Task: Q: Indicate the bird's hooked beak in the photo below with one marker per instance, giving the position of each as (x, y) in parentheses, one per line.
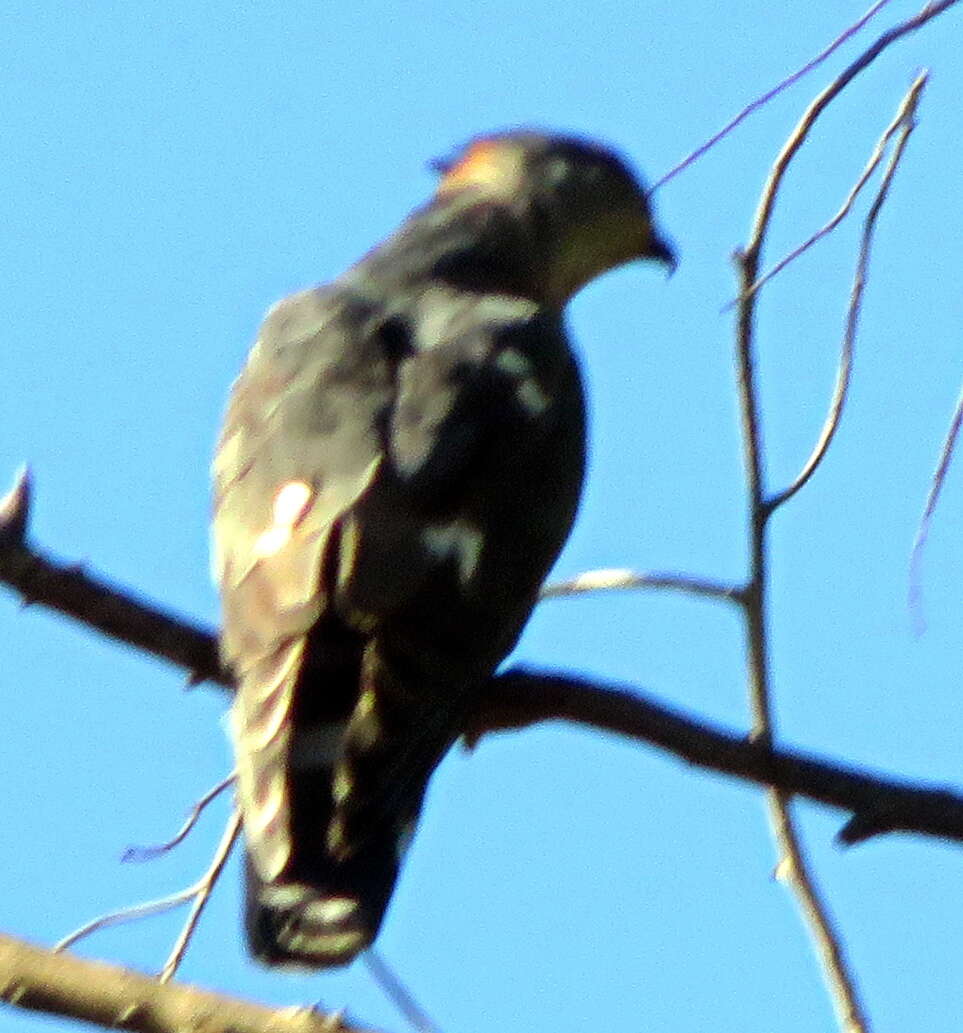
(659, 250)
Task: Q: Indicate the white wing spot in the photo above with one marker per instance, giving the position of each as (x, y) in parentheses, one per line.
(532, 397)
(290, 504)
(513, 362)
(272, 541)
(457, 540)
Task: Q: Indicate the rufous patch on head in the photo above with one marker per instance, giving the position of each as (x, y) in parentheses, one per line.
(490, 165)
(291, 502)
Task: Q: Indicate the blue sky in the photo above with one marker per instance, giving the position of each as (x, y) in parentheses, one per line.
(171, 169)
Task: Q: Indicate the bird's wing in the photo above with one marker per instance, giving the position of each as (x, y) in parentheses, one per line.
(449, 544)
(349, 447)
(298, 446)
(486, 376)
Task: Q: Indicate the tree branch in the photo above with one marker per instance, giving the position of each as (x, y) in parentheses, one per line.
(116, 613)
(518, 698)
(118, 998)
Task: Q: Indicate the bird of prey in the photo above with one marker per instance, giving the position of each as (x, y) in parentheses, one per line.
(399, 466)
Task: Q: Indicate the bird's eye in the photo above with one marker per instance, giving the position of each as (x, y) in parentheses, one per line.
(557, 171)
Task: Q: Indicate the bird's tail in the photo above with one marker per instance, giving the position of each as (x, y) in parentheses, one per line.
(352, 818)
(324, 919)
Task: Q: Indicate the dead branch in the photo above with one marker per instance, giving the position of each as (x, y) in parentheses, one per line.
(118, 998)
(762, 101)
(922, 533)
(518, 698)
(826, 938)
(122, 616)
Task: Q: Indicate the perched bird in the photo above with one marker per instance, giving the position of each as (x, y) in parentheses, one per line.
(400, 463)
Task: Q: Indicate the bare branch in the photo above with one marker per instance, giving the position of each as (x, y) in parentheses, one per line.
(905, 119)
(760, 102)
(516, 699)
(816, 108)
(916, 557)
(618, 579)
(118, 998)
(204, 889)
(98, 604)
(148, 853)
(198, 893)
(826, 938)
(520, 698)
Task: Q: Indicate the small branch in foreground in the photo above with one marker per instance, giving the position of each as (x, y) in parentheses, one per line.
(118, 998)
(396, 992)
(619, 579)
(902, 123)
(197, 894)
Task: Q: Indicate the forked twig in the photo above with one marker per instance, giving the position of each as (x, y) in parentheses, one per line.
(148, 853)
(204, 887)
(905, 123)
(902, 118)
(793, 862)
(760, 102)
(199, 892)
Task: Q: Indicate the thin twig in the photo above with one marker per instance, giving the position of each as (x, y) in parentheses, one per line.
(815, 109)
(127, 914)
(619, 579)
(204, 889)
(396, 992)
(919, 543)
(148, 853)
(905, 118)
(760, 102)
(826, 938)
(903, 115)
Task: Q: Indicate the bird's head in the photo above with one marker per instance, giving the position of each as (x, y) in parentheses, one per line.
(583, 210)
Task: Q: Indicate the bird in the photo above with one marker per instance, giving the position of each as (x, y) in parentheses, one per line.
(400, 464)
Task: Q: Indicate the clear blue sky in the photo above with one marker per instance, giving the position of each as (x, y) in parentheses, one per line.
(171, 169)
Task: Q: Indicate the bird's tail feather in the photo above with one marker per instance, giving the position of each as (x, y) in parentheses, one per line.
(353, 816)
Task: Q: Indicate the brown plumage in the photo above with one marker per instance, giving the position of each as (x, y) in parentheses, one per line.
(400, 464)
